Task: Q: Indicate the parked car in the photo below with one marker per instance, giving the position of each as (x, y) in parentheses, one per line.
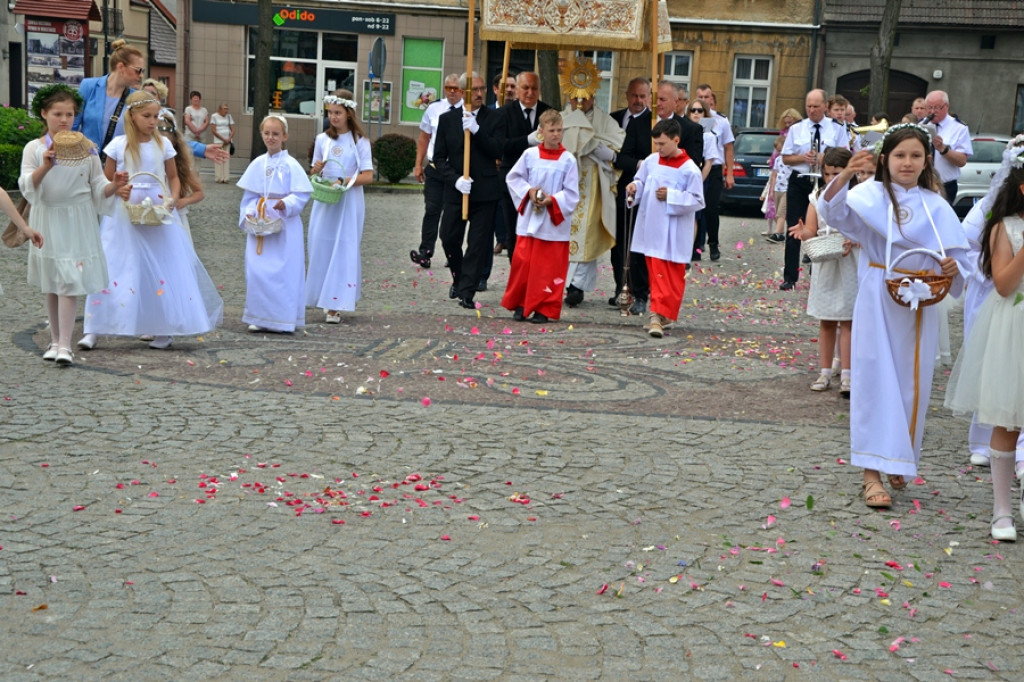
(751, 151)
(976, 176)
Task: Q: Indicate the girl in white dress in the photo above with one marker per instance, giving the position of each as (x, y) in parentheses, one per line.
(157, 286)
(66, 195)
(276, 188)
(895, 213)
(341, 154)
(988, 378)
(833, 286)
(185, 165)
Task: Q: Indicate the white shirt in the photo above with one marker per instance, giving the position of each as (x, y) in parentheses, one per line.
(428, 123)
(628, 117)
(723, 128)
(801, 136)
(958, 137)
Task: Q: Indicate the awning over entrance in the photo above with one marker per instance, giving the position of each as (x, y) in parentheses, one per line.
(62, 9)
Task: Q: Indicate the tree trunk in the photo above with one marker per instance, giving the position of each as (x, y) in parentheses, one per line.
(261, 73)
(881, 58)
(547, 67)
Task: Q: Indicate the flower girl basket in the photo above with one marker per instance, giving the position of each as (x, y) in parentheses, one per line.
(329, 191)
(828, 245)
(146, 212)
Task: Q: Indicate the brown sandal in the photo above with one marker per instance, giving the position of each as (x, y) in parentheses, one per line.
(897, 481)
(875, 495)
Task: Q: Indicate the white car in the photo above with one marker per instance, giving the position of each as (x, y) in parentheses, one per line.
(976, 176)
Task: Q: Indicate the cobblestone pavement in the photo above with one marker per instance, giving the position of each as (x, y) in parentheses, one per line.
(431, 493)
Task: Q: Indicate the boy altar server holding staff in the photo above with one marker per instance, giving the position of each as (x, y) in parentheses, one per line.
(669, 190)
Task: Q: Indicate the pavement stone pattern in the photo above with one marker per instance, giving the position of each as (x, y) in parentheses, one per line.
(432, 493)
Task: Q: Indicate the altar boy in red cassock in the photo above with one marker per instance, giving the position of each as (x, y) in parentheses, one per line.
(669, 191)
(544, 185)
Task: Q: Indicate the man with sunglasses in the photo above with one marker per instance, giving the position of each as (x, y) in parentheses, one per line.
(427, 173)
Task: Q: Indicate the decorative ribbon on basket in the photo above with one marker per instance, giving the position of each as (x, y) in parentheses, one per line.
(828, 245)
(915, 290)
(146, 212)
(259, 225)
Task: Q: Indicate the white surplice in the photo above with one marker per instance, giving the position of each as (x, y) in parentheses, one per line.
(664, 229)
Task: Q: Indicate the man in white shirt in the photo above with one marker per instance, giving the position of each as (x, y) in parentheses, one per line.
(951, 142)
(805, 143)
(716, 181)
(433, 185)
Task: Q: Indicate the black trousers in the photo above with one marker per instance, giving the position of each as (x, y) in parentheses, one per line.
(707, 226)
(798, 198)
(950, 189)
(467, 267)
(639, 285)
(433, 204)
(508, 210)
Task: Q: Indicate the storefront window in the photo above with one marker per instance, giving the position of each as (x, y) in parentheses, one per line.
(304, 64)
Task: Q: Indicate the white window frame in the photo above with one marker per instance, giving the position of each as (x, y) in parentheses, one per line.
(321, 65)
(750, 83)
(672, 62)
(603, 97)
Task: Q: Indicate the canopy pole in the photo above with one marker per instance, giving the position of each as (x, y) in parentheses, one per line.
(654, 59)
(504, 72)
(467, 103)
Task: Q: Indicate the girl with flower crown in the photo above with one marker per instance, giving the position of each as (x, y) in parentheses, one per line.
(341, 155)
(893, 354)
(276, 191)
(988, 379)
(157, 285)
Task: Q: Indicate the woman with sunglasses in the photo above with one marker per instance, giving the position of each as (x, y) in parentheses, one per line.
(105, 96)
(697, 111)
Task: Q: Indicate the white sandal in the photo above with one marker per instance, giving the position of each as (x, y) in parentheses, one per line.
(50, 353)
(821, 383)
(1008, 534)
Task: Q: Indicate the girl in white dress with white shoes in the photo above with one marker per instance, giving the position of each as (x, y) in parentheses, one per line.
(157, 286)
(62, 178)
(341, 155)
(276, 190)
(988, 378)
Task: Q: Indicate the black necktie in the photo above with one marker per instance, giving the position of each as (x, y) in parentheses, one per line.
(528, 111)
(816, 144)
(452, 108)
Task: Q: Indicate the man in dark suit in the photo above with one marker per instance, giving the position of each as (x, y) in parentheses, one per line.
(519, 121)
(635, 119)
(484, 188)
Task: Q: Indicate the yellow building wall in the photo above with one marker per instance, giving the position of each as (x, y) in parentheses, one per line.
(755, 11)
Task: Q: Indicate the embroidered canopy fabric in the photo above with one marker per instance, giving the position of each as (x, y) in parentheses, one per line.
(594, 24)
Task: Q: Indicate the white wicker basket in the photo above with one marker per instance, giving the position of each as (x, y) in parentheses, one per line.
(146, 212)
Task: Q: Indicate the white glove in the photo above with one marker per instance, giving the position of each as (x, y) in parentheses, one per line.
(603, 153)
(534, 139)
(464, 185)
(469, 123)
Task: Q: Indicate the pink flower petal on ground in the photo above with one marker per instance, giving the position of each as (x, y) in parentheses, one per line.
(919, 481)
(154, 494)
(945, 585)
(425, 402)
(77, 508)
(777, 582)
(446, 538)
(515, 391)
(474, 331)
(894, 524)
(839, 654)
(784, 504)
(739, 246)
(770, 520)
(603, 589)
(338, 522)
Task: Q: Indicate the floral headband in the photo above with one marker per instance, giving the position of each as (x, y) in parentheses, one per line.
(143, 102)
(901, 126)
(1014, 151)
(334, 99)
(279, 117)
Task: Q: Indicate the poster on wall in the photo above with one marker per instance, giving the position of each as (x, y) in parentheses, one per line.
(376, 101)
(420, 87)
(55, 52)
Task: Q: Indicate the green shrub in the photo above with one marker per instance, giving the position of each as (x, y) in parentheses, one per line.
(395, 156)
(17, 127)
(10, 166)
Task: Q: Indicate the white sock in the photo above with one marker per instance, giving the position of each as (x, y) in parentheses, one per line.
(845, 374)
(1002, 464)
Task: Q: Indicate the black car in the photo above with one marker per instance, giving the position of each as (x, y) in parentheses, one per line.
(751, 151)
